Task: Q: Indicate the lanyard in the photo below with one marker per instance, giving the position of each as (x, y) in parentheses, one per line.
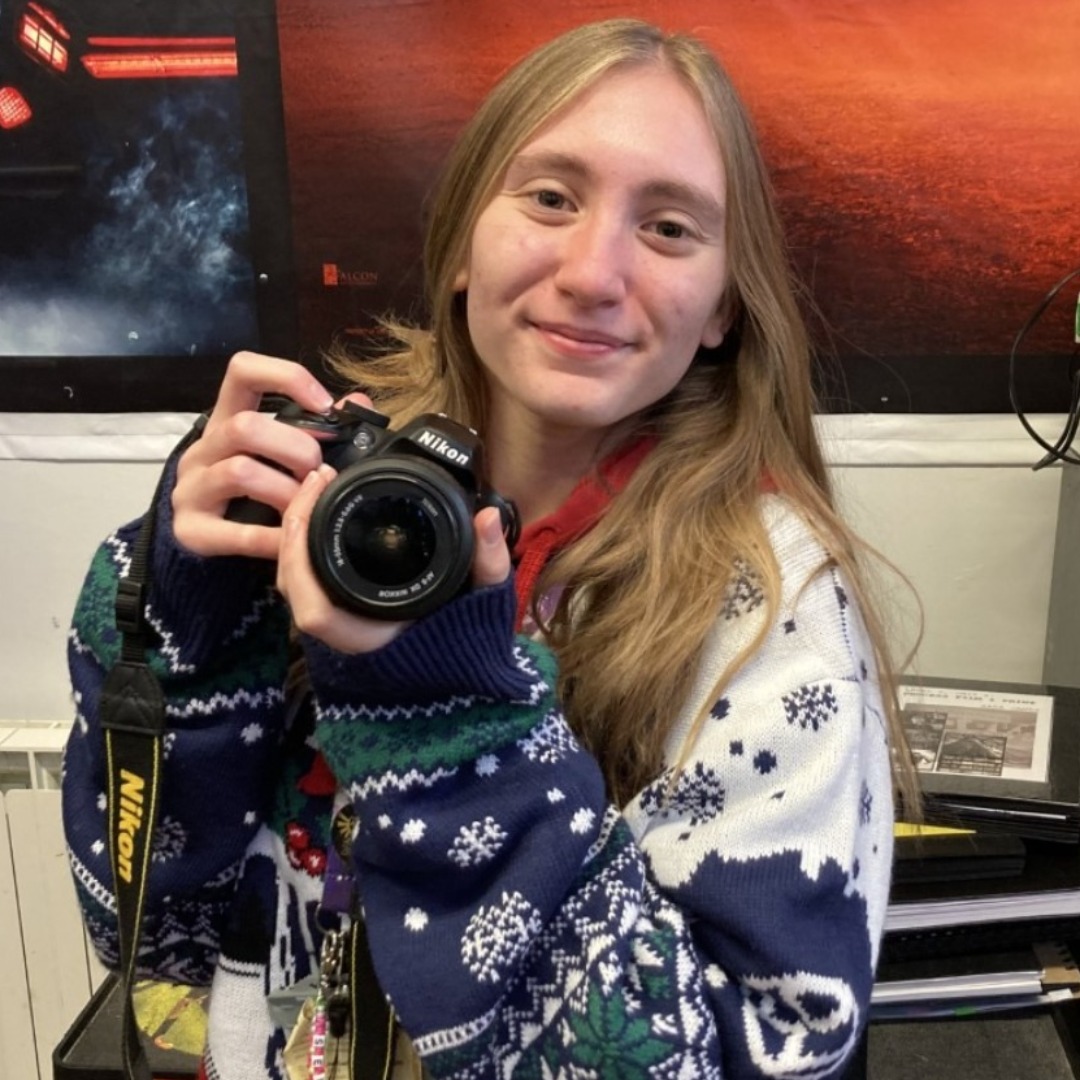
(370, 1023)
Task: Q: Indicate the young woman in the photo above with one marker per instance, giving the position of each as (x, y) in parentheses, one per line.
(624, 807)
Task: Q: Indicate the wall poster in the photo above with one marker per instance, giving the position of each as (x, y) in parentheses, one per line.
(925, 157)
(144, 229)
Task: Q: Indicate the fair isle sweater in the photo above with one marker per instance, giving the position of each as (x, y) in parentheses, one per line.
(520, 925)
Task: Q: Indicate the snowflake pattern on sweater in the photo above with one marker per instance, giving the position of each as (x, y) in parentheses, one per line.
(724, 924)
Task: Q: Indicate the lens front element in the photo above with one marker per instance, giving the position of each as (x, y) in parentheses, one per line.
(392, 537)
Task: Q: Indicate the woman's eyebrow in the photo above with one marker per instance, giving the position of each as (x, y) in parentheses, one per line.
(545, 161)
(703, 204)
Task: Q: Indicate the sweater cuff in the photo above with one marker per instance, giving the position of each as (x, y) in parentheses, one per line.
(465, 648)
(212, 598)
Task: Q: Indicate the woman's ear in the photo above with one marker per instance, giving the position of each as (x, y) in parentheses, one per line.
(461, 279)
(722, 337)
(712, 336)
(717, 326)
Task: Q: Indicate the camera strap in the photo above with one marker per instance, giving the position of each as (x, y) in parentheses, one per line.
(373, 1024)
(132, 710)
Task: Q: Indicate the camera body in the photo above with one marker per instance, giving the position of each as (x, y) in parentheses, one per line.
(392, 535)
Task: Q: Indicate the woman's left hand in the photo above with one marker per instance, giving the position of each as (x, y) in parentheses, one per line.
(313, 611)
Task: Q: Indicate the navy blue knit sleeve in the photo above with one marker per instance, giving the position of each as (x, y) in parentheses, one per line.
(726, 923)
(220, 656)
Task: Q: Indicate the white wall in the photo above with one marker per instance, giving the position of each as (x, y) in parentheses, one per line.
(65, 483)
(951, 500)
(978, 543)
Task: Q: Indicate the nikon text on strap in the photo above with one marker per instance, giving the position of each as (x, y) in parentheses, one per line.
(132, 710)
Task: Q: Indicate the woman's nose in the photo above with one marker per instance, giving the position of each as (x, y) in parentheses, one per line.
(594, 262)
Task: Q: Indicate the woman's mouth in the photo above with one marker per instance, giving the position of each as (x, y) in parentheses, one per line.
(579, 340)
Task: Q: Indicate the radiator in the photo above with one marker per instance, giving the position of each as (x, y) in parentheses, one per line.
(47, 970)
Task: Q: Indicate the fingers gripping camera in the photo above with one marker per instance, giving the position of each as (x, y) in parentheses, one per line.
(392, 535)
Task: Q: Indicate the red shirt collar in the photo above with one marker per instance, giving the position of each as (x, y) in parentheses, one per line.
(578, 514)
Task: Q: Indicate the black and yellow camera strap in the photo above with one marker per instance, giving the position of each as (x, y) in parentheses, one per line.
(132, 710)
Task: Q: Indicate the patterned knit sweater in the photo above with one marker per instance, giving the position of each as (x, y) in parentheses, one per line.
(519, 924)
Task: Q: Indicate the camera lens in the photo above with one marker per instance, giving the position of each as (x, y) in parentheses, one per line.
(392, 538)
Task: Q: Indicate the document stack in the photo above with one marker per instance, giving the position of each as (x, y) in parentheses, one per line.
(997, 758)
(984, 913)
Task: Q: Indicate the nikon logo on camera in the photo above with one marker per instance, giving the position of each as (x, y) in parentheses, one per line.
(438, 444)
(130, 821)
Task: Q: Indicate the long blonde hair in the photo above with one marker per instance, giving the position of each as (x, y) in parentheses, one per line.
(654, 568)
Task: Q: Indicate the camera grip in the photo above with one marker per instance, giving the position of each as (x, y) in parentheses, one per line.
(249, 512)
(334, 432)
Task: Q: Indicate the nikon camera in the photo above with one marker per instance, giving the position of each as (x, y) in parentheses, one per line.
(392, 535)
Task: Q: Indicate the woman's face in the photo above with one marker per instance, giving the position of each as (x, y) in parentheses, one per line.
(597, 270)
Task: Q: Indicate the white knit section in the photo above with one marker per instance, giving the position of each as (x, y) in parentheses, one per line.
(376, 785)
(337, 714)
(239, 1025)
(451, 1038)
(76, 642)
(223, 704)
(121, 553)
(91, 883)
(167, 648)
(238, 1022)
(808, 801)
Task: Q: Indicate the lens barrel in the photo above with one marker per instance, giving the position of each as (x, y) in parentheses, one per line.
(392, 537)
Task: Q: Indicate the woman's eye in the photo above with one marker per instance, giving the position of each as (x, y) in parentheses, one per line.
(550, 200)
(670, 230)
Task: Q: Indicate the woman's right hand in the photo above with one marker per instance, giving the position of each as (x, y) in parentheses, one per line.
(232, 458)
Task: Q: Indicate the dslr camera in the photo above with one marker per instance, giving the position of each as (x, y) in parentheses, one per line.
(392, 535)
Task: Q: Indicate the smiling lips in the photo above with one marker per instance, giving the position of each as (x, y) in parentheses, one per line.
(580, 341)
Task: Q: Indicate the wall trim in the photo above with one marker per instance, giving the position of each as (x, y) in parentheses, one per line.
(973, 440)
(858, 439)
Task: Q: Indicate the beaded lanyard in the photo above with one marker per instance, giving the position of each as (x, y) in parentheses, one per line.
(349, 1002)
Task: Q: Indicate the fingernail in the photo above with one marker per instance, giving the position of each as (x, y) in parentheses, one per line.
(490, 529)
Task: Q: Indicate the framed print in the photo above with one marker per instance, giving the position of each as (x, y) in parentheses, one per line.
(144, 225)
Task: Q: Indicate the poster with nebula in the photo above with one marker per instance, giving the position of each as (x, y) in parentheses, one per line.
(925, 156)
(131, 261)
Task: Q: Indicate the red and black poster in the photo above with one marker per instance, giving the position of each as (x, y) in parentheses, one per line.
(925, 156)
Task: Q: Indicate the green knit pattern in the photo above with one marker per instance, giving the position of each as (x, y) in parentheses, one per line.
(260, 641)
(362, 742)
